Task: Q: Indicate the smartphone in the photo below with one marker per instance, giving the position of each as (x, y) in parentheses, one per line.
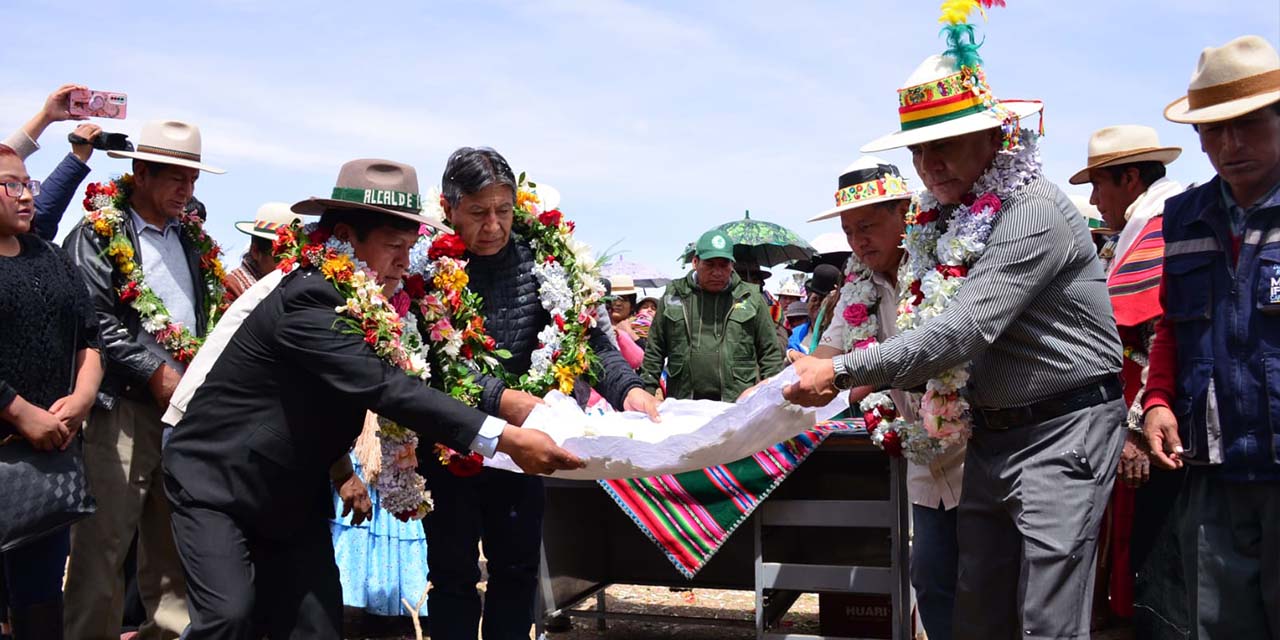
(98, 104)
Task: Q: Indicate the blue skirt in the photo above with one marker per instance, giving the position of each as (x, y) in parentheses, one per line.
(381, 560)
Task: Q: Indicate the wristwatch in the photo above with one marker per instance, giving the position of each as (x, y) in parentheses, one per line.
(843, 379)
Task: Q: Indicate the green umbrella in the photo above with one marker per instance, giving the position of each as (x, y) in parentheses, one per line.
(759, 242)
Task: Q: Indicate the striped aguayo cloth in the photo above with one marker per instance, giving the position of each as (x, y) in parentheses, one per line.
(1134, 283)
(690, 515)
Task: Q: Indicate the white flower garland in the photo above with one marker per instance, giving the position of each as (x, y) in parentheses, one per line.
(857, 305)
(938, 265)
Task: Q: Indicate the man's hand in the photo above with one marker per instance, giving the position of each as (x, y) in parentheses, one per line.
(515, 406)
(355, 496)
(1135, 465)
(535, 452)
(88, 131)
(162, 384)
(42, 429)
(816, 387)
(640, 400)
(1161, 429)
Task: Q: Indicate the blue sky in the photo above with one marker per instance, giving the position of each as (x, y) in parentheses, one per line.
(655, 120)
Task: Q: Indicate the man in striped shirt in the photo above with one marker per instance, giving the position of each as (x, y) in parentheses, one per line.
(1034, 321)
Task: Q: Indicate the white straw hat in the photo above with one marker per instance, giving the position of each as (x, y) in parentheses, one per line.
(1237, 78)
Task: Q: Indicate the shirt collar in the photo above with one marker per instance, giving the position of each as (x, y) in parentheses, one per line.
(1270, 199)
(140, 224)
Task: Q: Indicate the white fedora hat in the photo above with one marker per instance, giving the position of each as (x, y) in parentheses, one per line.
(377, 186)
(938, 101)
(867, 181)
(168, 142)
(1239, 77)
(270, 217)
(1124, 144)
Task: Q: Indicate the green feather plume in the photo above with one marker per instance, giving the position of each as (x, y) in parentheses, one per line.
(961, 45)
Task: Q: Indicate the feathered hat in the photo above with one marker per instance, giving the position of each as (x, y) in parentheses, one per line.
(948, 94)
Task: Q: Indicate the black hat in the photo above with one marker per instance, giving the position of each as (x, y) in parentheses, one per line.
(823, 281)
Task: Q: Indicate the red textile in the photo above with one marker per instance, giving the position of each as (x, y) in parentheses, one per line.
(1134, 282)
(1162, 370)
(1120, 582)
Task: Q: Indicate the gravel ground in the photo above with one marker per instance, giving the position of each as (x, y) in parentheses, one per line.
(708, 603)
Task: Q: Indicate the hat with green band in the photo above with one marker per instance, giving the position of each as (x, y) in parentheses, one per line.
(948, 94)
(381, 186)
(271, 217)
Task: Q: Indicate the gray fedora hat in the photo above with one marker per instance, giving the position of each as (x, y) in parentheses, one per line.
(371, 184)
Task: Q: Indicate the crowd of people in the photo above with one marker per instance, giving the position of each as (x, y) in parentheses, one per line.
(233, 426)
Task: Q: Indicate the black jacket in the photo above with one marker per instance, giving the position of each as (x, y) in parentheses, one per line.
(286, 398)
(514, 315)
(129, 364)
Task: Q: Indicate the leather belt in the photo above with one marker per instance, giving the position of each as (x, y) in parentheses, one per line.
(1094, 393)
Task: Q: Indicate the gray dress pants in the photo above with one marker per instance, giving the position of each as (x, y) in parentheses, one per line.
(1028, 524)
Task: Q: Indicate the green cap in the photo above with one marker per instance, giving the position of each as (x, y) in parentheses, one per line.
(714, 244)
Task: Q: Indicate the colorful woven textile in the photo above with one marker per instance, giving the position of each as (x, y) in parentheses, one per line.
(690, 515)
(1134, 284)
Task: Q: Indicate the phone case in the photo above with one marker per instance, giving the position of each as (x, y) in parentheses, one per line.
(98, 104)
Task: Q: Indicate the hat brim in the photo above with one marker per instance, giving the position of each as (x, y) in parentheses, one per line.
(1163, 155)
(831, 213)
(1180, 111)
(160, 159)
(960, 126)
(317, 206)
(247, 229)
(712, 255)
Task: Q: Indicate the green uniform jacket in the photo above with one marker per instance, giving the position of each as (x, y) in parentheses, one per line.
(714, 345)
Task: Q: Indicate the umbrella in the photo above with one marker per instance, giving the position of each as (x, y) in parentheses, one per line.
(763, 243)
(833, 248)
(644, 275)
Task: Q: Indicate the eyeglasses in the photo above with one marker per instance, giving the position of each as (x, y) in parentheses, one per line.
(15, 189)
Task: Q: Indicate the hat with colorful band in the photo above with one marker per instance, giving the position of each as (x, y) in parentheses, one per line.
(270, 217)
(948, 95)
(381, 186)
(867, 181)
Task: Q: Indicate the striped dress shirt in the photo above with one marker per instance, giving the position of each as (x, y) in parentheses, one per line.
(1034, 316)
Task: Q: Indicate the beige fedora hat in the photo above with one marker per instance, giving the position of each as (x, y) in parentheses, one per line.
(937, 102)
(1239, 77)
(168, 142)
(270, 217)
(867, 181)
(1124, 144)
(370, 184)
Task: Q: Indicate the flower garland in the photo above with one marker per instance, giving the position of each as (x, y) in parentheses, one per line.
(401, 491)
(106, 204)
(938, 265)
(451, 315)
(857, 306)
(392, 335)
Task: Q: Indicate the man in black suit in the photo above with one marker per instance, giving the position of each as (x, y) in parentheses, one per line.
(247, 467)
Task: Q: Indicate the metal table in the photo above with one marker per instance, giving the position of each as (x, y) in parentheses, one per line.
(848, 495)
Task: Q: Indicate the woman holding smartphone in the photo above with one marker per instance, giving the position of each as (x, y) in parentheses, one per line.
(49, 375)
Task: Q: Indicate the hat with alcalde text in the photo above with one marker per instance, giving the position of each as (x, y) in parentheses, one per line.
(382, 186)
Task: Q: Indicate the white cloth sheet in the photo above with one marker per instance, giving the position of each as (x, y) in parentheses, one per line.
(693, 434)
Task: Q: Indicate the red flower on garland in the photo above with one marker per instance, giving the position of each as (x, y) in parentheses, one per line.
(559, 322)
(465, 466)
(447, 244)
(871, 420)
(320, 235)
(892, 444)
(925, 217)
(968, 199)
(917, 292)
(129, 292)
(953, 270)
(551, 218)
(416, 286)
(371, 337)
